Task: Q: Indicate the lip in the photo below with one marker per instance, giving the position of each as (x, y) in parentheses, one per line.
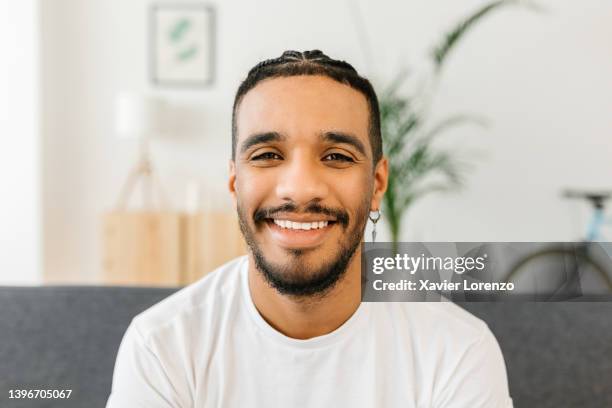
(290, 238)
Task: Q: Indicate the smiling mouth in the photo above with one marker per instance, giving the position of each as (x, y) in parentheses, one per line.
(297, 234)
(300, 226)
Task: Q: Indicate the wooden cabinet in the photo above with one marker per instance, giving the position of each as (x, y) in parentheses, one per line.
(153, 248)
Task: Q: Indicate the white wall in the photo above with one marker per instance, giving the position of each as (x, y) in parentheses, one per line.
(541, 79)
(20, 206)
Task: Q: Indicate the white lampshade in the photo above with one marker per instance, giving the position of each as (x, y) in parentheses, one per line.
(138, 115)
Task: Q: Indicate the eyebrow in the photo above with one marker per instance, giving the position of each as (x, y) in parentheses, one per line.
(260, 138)
(345, 138)
(333, 137)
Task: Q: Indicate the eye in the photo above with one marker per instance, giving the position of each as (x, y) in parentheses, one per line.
(267, 156)
(338, 157)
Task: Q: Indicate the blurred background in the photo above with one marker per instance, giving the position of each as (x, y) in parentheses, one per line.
(84, 84)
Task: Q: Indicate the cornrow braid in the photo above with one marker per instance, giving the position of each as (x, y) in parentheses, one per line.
(262, 64)
(306, 56)
(314, 62)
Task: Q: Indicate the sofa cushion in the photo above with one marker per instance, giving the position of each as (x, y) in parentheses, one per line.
(557, 354)
(65, 338)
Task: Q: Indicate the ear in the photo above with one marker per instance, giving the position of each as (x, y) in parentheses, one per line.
(381, 177)
(232, 180)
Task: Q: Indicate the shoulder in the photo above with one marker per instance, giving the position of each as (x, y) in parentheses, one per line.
(195, 303)
(470, 368)
(439, 319)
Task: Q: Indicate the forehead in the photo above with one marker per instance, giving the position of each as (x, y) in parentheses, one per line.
(303, 106)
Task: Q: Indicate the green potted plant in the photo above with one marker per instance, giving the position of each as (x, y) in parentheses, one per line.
(417, 166)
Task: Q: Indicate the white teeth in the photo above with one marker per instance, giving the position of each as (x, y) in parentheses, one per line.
(300, 225)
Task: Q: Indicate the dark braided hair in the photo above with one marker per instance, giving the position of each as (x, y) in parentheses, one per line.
(295, 63)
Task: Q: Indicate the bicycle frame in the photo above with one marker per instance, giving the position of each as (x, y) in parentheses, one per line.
(598, 220)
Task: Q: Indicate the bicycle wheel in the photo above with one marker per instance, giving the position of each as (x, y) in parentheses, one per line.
(559, 273)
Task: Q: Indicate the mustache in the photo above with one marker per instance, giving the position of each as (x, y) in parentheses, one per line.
(340, 215)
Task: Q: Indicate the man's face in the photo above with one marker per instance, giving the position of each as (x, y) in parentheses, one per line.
(303, 180)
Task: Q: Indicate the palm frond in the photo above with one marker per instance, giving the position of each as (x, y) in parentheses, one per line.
(441, 52)
(439, 170)
(425, 190)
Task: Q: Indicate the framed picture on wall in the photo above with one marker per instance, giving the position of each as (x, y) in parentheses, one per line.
(182, 44)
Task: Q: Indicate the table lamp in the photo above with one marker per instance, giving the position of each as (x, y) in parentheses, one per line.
(139, 116)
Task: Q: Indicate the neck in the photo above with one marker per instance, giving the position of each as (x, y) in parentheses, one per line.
(306, 317)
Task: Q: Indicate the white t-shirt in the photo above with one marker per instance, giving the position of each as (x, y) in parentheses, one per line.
(207, 346)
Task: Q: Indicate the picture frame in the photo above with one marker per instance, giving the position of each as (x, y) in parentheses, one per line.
(182, 44)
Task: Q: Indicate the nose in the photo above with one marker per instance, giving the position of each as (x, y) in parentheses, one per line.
(302, 181)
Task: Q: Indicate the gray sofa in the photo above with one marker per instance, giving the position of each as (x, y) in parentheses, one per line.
(557, 354)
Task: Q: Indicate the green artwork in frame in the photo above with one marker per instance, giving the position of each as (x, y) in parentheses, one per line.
(182, 44)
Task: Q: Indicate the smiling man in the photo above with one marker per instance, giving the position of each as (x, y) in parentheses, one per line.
(284, 325)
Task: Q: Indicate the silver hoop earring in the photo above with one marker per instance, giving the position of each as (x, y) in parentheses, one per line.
(374, 217)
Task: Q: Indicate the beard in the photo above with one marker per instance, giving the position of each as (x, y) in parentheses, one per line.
(296, 277)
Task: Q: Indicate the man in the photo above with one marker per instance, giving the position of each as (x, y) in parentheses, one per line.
(284, 325)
